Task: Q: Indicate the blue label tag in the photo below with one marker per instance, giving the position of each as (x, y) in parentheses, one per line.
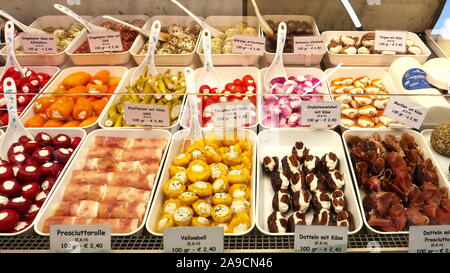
(415, 78)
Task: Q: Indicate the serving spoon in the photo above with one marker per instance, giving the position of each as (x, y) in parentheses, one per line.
(90, 27)
(264, 25)
(276, 68)
(11, 60)
(209, 74)
(195, 130)
(22, 26)
(163, 37)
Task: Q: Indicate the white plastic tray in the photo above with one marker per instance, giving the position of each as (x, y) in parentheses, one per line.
(108, 58)
(51, 70)
(118, 71)
(372, 73)
(432, 42)
(291, 58)
(442, 160)
(166, 59)
(421, 142)
(72, 132)
(223, 23)
(104, 116)
(45, 59)
(175, 148)
(78, 163)
(279, 142)
(370, 59)
(226, 75)
(291, 71)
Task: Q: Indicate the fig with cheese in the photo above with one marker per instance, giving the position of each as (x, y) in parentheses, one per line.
(29, 173)
(8, 219)
(10, 188)
(61, 141)
(30, 190)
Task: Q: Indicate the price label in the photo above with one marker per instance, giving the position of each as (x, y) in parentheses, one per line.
(231, 113)
(391, 40)
(193, 240)
(320, 239)
(80, 239)
(105, 41)
(146, 114)
(429, 239)
(38, 43)
(321, 113)
(249, 45)
(309, 45)
(405, 111)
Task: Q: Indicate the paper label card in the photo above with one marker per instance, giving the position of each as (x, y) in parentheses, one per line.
(147, 114)
(320, 113)
(104, 41)
(309, 45)
(231, 113)
(80, 239)
(405, 111)
(39, 43)
(193, 239)
(390, 40)
(249, 45)
(429, 239)
(320, 239)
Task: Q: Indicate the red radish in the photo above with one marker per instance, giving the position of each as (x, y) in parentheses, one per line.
(23, 140)
(17, 158)
(40, 198)
(30, 190)
(61, 141)
(8, 219)
(31, 146)
(6, 172)
(21, 226)
(62, 155)
(10, 188)
(19, 204)
(48, 184)
(43, 155)
(29, 173)
(51, 169)
(44, 138)
(75, 142)
(32, 212)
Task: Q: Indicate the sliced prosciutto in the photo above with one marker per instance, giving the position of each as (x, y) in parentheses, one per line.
(129, 143)
(76, 192)
(119, 154)
(108, 165)
(123, 179)
(117, 225)
(94, 209)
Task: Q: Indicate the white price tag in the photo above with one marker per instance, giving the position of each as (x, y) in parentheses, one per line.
(390, 40)
(405, 111)
(80, 239)
(231, 113)
(193, 239)
(38, 43)
(146, 114)
(320, 113)
(429, 239)
(105, 41)
(320, 239)
(309, 45)
(249, 45)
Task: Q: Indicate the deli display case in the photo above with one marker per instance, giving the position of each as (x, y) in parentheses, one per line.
(253, 118)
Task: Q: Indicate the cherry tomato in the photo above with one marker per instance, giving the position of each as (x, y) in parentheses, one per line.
(237, 82)
(228, 86)
(248, 80)
(204, 89)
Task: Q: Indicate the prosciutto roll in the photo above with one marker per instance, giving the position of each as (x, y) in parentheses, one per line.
(94, 209)
(119, 154)
(130, 143)
(76, 192)
(107, 165)
(122, 179)
(117, 225)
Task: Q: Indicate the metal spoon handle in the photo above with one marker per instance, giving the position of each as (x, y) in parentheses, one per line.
(71, 13)
(281, 40)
